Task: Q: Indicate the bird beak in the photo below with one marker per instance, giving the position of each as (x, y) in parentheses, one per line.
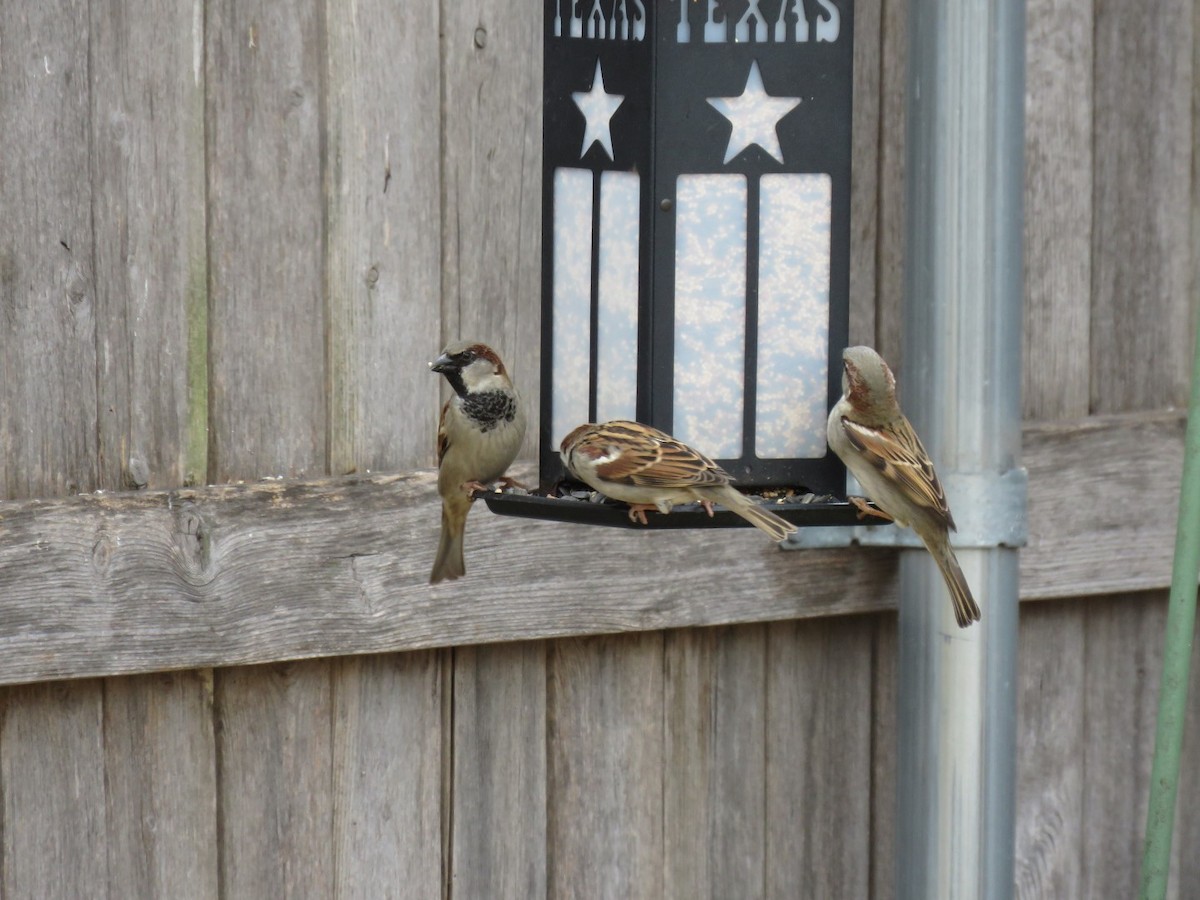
(442, 364)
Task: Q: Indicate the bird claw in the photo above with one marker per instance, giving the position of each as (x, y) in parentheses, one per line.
(470, 487)
(864, 510)
(506, 482)
(637, 512)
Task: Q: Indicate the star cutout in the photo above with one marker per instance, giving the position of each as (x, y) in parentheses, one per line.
(597, 107)
(754, 116)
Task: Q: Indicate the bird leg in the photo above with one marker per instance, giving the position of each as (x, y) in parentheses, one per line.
(864, 510)
(707, 504)
(637, 512)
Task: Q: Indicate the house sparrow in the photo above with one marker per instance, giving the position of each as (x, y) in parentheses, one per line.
(649, 469)
(878, 445)
(479, 434)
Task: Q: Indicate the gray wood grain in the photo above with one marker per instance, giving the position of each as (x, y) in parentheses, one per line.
(1056, 366)
(1051, 752)
(267, 393)
(53, 841)
(384, 233)
(243, 573)
(1090, 481)
(864, 181)
(160, 770)
(110, 584)
(1123, 665)
(492, 171)
(883, 759)
(818, 759)
(265, 240)
(274, 774)
(1142, 322)
(688, 809)
(604, 828)
(715, 778)
(893, 125)
(52, 778)
(151, 267)
(499, 773)
(47, 288)
(148, 168)
(388, 743)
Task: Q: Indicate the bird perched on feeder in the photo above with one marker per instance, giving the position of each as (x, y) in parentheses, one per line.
(480, 432)
(649, 469)
(878, 445)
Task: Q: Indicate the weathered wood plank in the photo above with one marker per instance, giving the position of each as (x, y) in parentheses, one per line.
(47, 289)
(492, 171)
(147, 107)
(1141, 325)
(268, 410)
(275, 806)
(715, 778)
(388, 739)
(1103, 495)
(384, 233)
(160, 768)
(1123, 665)
(1056, 366)
(279, 569)
(1051, 752)
(54, 840)
(381, 97)
(151, 266)
(688, 809)
(499, 774)
(818, 759)
(883, 759)
(239, 573)
(864, 184)
(266, 241)
(893, 126)
(604, 723)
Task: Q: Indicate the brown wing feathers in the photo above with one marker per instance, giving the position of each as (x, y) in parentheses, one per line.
(898, 454)
(649, 458)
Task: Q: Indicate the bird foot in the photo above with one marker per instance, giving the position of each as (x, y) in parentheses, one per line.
(864, 510)
(470, 487)
(708, 507)
(637, 512)
(506, 482)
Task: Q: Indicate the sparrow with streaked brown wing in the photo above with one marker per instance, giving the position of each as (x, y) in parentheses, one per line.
(649, 469)
(479, 434)
(878, 445)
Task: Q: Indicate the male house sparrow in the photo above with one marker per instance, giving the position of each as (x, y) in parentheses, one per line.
(479, 434)
(649, 469)
(878, 445)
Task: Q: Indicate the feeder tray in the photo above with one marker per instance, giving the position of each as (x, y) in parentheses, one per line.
(573, 502)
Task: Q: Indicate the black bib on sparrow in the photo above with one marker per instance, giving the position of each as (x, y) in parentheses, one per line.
(489, 408)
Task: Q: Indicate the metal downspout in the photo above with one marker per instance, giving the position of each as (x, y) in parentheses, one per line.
(961, 378)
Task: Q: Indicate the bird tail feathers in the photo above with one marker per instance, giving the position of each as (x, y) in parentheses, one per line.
(765, 520)
(966, 610)
(449, 563)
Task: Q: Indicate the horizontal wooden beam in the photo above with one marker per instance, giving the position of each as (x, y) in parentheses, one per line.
(105, 584)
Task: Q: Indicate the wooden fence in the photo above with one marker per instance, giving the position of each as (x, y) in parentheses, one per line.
(232, 233)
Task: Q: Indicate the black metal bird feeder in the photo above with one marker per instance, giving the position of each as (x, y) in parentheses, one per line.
(696, 239)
